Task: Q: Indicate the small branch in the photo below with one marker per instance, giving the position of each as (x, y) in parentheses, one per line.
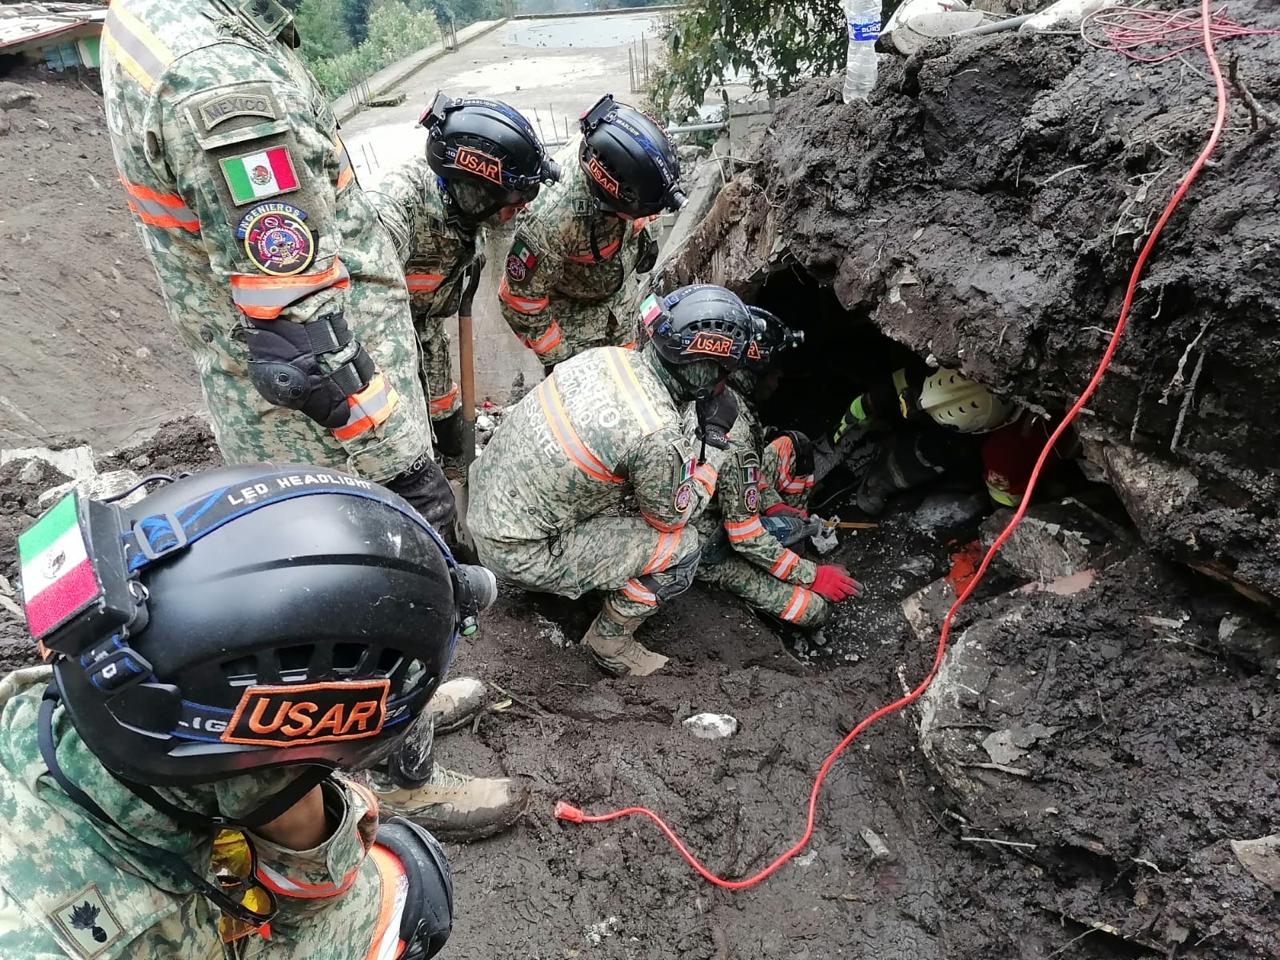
(1256, 110)
(520, 700)
(1061, 173)
(1000, 767)
(1016, 844)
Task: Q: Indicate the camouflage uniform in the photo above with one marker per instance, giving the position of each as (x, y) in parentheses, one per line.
(436, 255)
(248, 207)
(71, 887)
(556, 295)
(551, 496)
(744, 555)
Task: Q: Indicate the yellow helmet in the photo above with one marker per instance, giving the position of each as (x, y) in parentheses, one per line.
(964, 405)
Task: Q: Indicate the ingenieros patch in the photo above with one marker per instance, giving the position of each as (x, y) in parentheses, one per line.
(301, 714)
(277, 239)
(683, 498)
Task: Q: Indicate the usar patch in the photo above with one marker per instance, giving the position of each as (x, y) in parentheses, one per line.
(256, 176)
(277, 239)
(522, 261)
(305, 713)
(86, 923)
(481, 164)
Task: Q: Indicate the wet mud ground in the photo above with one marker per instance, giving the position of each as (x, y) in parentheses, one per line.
(1184, 759)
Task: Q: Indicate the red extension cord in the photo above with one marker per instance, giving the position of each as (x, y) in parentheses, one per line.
(570, 813)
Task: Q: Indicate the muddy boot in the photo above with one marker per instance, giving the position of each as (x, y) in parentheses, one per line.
(613, 646)
(455, 702)
(449, 434)
(455, 806)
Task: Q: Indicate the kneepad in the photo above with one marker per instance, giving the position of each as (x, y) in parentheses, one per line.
(670, 583)
(427, 919)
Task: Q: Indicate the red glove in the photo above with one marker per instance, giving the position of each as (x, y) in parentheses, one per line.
(834, 583)
(782, 508)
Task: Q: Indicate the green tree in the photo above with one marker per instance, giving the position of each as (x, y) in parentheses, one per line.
(356, 16)
(322, 28)
(771, 44)
(463, 12)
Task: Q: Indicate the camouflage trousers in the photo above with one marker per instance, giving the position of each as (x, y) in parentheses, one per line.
(581, 326)
(758, 587)
(640, 567)
(444, 397)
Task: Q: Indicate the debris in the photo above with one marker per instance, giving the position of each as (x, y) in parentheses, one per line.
(42, 124)
(32, 472)
(551, 632)
(1010, 745)
(6, 588)
(825, 541)
(1055, 540)
(109, 484)
(879, 849)
(74, 462)
(598, 932)
(711, 726)
(941, 511)
(13, 608)
(1261, 858)
(1250, 641)
(16, 97)
(1018, 844)
(5, 124)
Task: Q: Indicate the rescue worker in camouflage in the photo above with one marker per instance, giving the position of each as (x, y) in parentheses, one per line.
(269, 255)
(277, 272)
(759, 512)
(591, 481)
(569, 280)
(162, 794)
(482, 164)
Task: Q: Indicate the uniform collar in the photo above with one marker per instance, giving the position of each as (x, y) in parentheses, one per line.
(269, 17)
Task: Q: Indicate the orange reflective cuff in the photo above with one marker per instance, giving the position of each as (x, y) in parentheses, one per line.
(562, 429)
(742, 530)
(618, 362)
(707, 475)
(527, 306)
(545, 343)
(663, 552)
(423, 282)
(370, 408)
(636, 591)
(166, 210)
(785, 565)
(796, 485)
(661, 525)
(444, 403)
(391, 902)
(284, 886)
(345, 171)
(141, 54)
(797, 605)
(264, 297)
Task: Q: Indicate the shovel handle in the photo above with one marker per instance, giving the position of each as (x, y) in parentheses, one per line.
(466, 360)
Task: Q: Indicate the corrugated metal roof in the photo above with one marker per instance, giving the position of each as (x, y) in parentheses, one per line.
(22, 23)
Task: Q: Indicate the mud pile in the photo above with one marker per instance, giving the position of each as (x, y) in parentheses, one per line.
(984, 209)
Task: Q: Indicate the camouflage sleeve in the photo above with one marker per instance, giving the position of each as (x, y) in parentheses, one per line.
(307, 882)
(264, 171)
(671, 487)
(399, 200)
(738, 497)
(524, 291)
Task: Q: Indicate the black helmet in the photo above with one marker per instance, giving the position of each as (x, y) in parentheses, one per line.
(772, 338)
(702, 322)
(487, 155)
(629, 161)
(252, 617)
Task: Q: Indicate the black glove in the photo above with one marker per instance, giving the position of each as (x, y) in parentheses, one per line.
(716, 417)
(647, 251)
(425, 487)
(284, 368)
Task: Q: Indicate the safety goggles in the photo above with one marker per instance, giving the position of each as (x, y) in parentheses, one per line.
(249, 906)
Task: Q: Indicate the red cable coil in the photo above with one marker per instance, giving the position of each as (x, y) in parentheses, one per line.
(567, 812)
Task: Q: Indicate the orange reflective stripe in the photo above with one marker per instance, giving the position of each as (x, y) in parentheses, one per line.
(141, 54)
(167, 210)
(166, 221)
(742, 530)
(635, 590)
(797, 605)
(278, 883)
(785, 564)
(443, 403)
(423, 282)
(394, 894)
(572, 445)
(707, 475)
(152, 196)
(525, 305)
(663, 552)
(370, 408)
(545, 343)
(264, 297)
(345, 172)
(799, 485)
(662, 525)
(617, 360)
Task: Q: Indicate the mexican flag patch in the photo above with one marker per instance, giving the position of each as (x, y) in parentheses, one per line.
(650, 310)
(58, 580)
(521, 262)
(256, 175)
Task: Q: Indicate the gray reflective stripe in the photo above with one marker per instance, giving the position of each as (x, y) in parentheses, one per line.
(147, 207)
(370, 406)
(257, 294)
(133, 45)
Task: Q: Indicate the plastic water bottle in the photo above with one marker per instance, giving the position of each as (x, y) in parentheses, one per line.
(863, 20)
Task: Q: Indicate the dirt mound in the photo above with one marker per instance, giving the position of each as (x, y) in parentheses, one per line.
(984, 209)
(89, 351)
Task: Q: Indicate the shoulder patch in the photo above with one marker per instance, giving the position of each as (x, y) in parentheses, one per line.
(87, 923)
(227, 106)
(277, 239)
(257, 176)
(582, 207)
(522, 261)
(683, 497)
(686, 458)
